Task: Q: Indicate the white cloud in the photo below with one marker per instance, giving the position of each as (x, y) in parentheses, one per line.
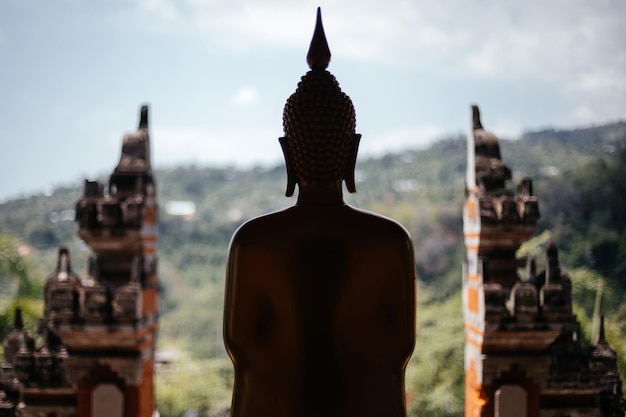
(163, 10)
(174, 145)
(560, 41)
(400, 138)
(505, 128)
(245, 96)
(583, 114)
(601, 82)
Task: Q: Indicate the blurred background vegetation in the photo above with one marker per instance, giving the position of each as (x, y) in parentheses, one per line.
(579, 177)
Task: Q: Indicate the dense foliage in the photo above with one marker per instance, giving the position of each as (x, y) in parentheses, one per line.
(579, 176)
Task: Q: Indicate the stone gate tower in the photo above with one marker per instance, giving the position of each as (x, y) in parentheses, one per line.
(99, 333)
(111, 351)
(495, 224)
(523, 355)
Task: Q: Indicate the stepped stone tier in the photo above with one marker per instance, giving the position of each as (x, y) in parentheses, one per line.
(319, 311)
(99, 333)
(523, 355)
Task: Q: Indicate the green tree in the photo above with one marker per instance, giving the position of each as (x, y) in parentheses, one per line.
(17, 286)
(204, 386)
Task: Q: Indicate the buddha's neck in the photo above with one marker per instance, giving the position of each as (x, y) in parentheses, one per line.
(320, 194)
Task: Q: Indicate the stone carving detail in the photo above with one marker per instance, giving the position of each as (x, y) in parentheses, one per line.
(556, 293)
(128, 369)
(97, 304)
(87, 206)
(495, 303)
(491, 172)
(62, 291)
(524, 304)
(16, 339)
(127, 303)
(42, 367)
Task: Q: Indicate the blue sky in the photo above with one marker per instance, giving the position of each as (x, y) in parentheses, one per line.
(74, 73)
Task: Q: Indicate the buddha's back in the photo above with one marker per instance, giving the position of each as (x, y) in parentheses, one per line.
(324, 316)
(319, 312)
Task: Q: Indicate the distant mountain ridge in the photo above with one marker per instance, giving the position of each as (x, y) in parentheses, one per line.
(610, 131)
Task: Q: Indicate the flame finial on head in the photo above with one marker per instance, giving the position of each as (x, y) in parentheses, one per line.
(318, 56)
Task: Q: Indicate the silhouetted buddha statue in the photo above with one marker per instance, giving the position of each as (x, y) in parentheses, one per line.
(320, 298)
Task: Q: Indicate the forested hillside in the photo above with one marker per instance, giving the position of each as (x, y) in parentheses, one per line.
(579, 177)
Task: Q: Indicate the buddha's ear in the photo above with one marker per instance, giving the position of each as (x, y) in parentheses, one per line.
(291, 177)
(351, 164)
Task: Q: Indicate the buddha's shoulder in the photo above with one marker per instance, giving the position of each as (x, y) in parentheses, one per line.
(343, 220)
(376, 219)
(267, 224)
(377, 224)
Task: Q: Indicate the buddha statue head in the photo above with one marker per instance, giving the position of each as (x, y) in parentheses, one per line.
(320, 144)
